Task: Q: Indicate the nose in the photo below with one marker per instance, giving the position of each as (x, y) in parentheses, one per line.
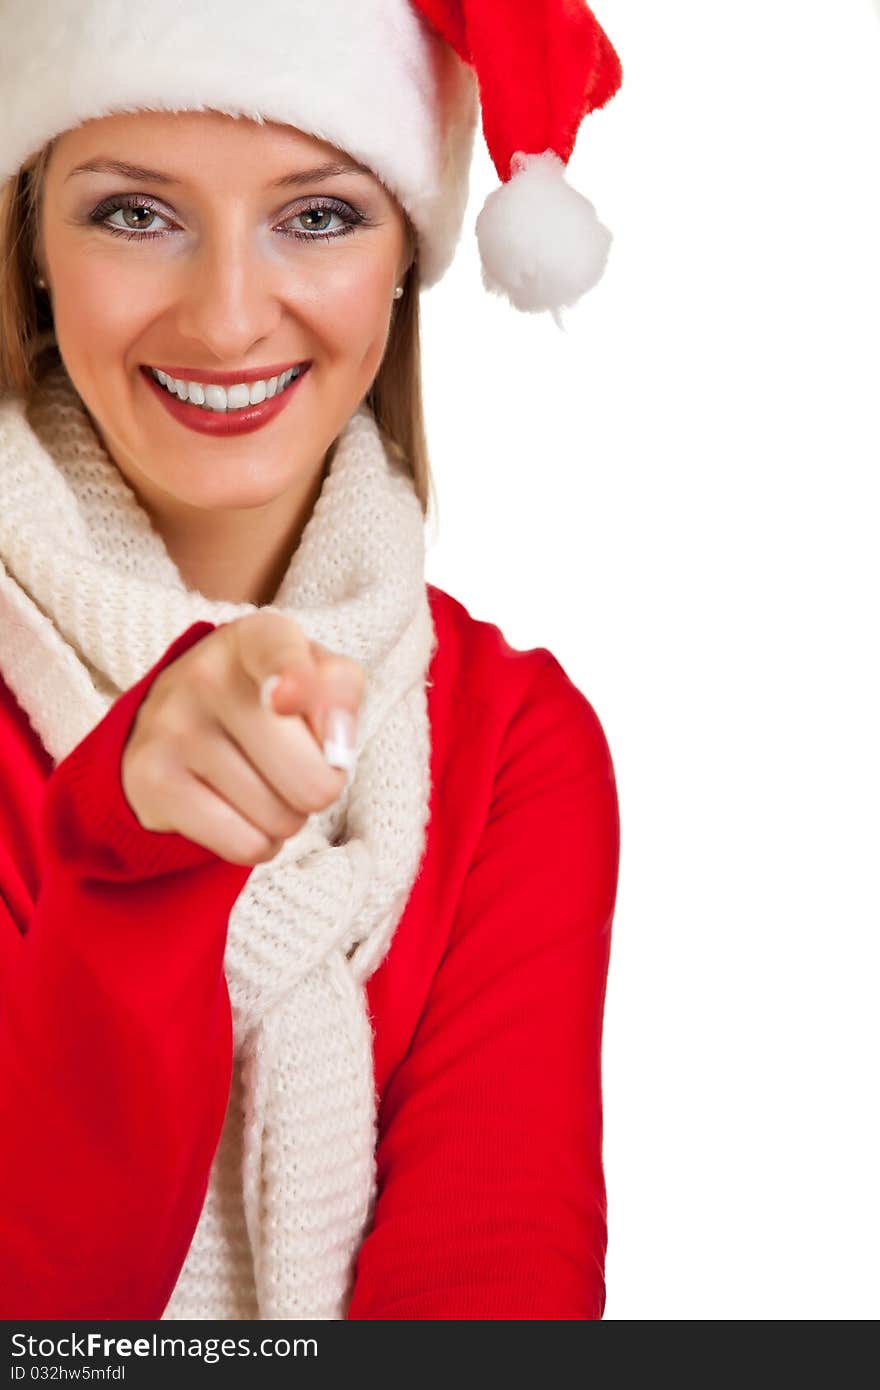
(232, 294)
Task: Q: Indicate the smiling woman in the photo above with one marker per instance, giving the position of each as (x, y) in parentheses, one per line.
(306, 874)
(234, 281)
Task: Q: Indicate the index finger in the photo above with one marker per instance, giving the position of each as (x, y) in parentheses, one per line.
(273, 650)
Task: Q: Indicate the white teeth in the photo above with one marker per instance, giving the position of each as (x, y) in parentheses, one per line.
(236, 397)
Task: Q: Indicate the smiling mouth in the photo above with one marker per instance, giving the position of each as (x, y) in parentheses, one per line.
(210, 397)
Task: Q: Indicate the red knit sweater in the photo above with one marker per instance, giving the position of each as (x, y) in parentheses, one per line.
(116, 1031)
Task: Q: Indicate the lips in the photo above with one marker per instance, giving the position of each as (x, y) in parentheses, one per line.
(224, 422)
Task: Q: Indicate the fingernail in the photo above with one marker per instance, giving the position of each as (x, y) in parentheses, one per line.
(339, 738)
(266, 689)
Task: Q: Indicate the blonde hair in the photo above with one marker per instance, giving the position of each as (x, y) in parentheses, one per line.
(395, 397)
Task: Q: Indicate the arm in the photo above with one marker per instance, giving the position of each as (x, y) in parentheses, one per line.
(491, 1198)
(115, 1044)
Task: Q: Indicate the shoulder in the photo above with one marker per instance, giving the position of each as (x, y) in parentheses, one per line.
(523, 694)
(474, 649)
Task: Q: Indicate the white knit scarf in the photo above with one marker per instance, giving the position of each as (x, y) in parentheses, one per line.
(89, 600)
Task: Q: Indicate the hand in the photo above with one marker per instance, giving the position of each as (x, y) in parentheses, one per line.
(209, 758)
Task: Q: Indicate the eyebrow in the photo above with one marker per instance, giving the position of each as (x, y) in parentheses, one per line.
(134, 171)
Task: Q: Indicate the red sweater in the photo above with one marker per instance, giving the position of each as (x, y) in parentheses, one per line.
(116, 1031)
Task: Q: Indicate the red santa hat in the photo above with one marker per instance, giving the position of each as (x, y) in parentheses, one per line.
(541, 66)
(396, 83)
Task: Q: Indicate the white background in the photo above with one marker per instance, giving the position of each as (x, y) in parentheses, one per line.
(678, 497)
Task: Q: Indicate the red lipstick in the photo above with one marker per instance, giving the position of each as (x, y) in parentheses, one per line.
(224, 422)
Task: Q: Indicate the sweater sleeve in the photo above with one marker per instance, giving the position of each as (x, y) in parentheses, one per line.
(115, 1044)
(491, 1199)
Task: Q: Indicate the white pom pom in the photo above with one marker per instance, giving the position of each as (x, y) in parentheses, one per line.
(541, 243)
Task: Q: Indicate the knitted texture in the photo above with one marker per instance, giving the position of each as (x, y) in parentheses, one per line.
(90, 600)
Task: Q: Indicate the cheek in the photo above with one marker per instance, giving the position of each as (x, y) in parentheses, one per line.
(100, 297)
(351, 314)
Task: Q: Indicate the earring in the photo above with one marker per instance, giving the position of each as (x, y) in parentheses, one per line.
(39, 282)
(398, 292)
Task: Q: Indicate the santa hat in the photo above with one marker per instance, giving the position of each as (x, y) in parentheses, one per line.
(396, 83)
(541, 65)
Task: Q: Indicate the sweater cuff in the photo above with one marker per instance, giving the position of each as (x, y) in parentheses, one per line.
(86, 817)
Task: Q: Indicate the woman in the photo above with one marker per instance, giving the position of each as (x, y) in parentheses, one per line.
(281, 1037)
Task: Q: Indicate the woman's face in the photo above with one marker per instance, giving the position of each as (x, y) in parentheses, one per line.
(232, 266)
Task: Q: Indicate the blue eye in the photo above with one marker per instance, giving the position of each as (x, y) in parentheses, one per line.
(146, 213)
